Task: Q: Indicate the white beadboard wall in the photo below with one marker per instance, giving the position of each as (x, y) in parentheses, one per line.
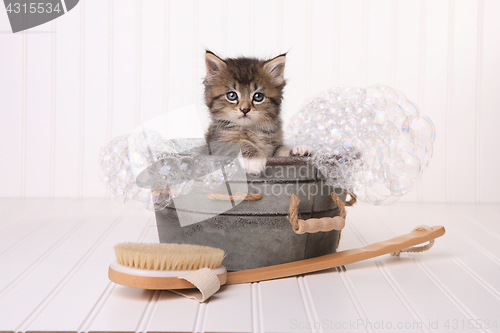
(69, 86)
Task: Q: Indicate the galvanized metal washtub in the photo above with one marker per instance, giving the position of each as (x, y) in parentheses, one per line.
(258, 233)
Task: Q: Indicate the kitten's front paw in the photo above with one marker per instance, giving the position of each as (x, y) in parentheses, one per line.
(253, 166)
(302, 150)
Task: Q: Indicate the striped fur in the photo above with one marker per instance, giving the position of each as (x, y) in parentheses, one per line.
(254, 125)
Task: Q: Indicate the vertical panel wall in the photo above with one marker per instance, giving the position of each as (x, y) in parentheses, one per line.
(71, 85)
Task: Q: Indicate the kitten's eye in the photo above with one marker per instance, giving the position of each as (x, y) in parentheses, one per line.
(231, 96)
(258, 97)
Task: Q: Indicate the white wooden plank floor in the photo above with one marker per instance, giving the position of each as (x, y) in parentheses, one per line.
(54, 256)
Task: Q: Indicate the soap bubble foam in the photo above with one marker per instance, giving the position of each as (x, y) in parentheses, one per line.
(153, 170)
(372, 142)
(121, 161)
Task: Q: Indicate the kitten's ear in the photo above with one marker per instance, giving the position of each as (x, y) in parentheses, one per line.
(214, 63)
(276, 68)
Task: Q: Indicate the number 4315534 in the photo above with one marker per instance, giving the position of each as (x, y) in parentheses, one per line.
(470, 324)
(41, 7)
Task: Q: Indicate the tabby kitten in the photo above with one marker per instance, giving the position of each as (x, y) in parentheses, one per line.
(244, 97)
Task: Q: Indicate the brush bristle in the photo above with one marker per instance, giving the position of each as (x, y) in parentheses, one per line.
(168, 257)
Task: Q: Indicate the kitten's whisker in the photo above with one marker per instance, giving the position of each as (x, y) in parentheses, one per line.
(261, 121)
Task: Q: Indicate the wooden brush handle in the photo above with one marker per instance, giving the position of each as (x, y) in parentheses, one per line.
(334, 259)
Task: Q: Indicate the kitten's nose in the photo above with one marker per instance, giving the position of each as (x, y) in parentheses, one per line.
(244, 109)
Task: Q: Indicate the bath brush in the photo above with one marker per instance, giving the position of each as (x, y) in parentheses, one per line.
(157, 266)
